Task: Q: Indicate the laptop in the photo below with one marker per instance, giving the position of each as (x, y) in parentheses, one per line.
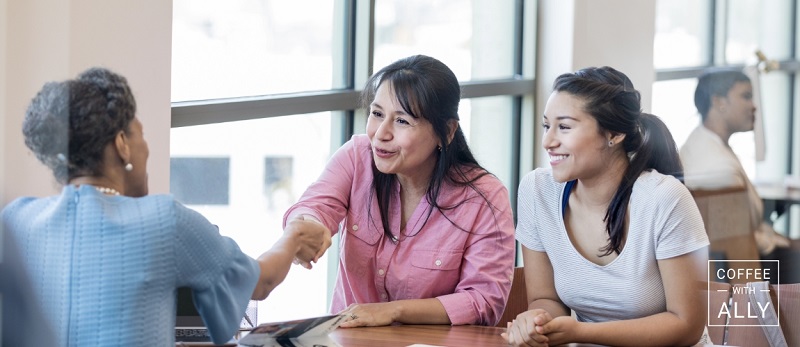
(189, 325)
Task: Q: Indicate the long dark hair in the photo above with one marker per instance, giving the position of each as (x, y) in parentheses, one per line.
(610, 98)
(426, 88)
(68, 124)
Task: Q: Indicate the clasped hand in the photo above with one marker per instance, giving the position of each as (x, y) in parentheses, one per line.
(312, 238)
(537, 328)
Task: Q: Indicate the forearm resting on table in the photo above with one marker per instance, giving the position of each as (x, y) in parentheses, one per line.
(662, 329)
(420, 311)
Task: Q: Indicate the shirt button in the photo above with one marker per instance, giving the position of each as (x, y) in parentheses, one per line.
(383, 296)
(381, 272)
(355, 227)
(438, 262)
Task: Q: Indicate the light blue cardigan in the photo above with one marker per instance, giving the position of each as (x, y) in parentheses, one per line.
(106, 268)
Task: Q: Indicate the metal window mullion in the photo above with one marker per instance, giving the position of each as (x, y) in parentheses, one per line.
(230, 110)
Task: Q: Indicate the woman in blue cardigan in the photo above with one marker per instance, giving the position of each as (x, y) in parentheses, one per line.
(105, 259)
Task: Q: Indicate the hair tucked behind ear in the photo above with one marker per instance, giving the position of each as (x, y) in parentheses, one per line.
(68, 124)
(610, 98)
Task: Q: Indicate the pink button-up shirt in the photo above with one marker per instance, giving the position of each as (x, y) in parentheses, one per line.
(468, 271)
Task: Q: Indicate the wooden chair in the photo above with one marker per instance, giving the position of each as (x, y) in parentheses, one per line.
(726, 216)
(787, 309)
(517, 299)
(789, 312)
(738, 334)
(718, 295)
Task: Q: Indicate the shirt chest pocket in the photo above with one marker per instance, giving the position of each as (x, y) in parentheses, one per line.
(433, 273)
(437, 259)
(360, 228)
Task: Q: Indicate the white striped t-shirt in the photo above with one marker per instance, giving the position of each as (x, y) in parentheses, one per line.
(664, 223)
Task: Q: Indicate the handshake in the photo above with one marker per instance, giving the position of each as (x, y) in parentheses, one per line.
(304, 241)
(309, 239)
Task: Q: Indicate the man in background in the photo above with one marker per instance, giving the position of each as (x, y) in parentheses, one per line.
(724, 99)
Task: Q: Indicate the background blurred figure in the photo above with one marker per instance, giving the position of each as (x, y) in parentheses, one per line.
(105, 259)
(724, 99)
(608, 213)
(427, 233)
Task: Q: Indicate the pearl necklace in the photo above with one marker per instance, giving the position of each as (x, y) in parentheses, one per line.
(106, 190)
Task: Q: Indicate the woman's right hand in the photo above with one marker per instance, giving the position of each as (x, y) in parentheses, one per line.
(312, 238)
(522, 330)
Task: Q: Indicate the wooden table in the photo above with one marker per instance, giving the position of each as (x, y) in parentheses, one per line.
(777, 198)
(404, 335)
(437, 335)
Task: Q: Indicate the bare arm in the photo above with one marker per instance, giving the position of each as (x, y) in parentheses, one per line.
(413, 311)
(303, 239)
(540, 285)
(543, 302)
(682, 323)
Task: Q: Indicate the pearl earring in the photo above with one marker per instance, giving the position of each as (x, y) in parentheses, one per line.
(610, 143)
(129, 167)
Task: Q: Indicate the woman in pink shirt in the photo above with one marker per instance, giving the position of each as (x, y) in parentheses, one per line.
(427, 234)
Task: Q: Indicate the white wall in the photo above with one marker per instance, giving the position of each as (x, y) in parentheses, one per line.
(574, 34)
(3, 21)
(3, 50)
(56, 40)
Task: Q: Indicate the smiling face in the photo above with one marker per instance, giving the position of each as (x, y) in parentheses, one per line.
(738, 107)
(401, 144)
(573, 140)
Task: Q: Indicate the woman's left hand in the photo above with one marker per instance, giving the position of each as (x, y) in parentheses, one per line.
(368, 315)
(560, 330)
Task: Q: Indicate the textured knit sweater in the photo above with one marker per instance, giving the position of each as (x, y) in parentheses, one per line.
(106, 268)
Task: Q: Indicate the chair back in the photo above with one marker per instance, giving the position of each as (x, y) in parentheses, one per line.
(785, 300)
(718, 295)
(517, 299)
(743, 328)
(726, 217)
(789, 312)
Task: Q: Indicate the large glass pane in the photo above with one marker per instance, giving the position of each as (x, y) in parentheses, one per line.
(673, 102)
(683, 33)
(267, 163)
(237, 48)
(487, 125)
(475, 38)
(755, 24)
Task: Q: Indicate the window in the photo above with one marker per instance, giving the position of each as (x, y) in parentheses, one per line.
(272, 161)
(224, 49)
(448, 31)
(732, 30)
(753, 24)
(200, 181)
(684, 24)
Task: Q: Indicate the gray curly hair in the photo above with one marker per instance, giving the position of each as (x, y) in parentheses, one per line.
(68, 124)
